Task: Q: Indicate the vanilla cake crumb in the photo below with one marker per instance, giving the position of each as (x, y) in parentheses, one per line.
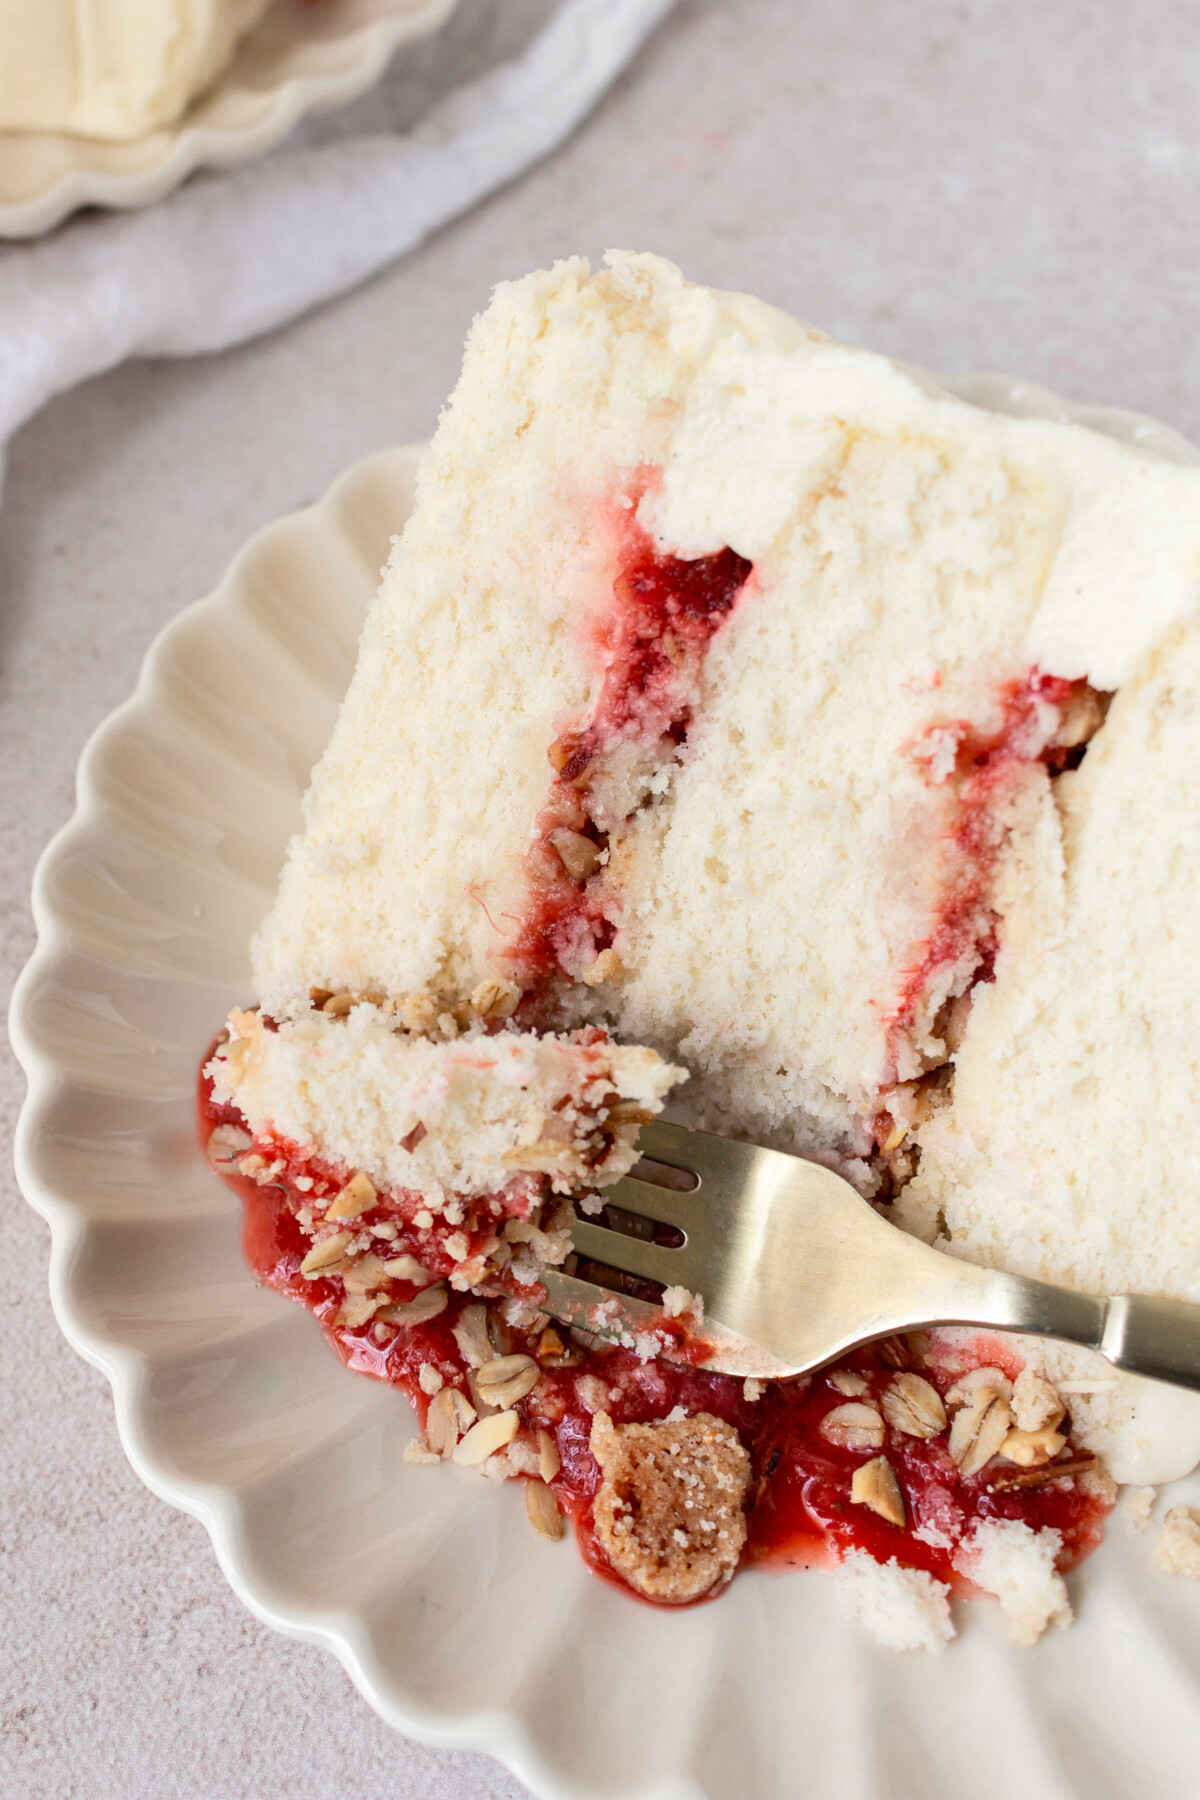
(1139, 1507)
(903, 1609)
(1006, 1558)
(1177, 1547)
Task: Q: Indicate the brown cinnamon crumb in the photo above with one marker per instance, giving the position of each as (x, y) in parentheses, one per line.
(670, 1512)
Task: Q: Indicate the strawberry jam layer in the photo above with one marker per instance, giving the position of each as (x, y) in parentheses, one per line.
(977, 772)
(650, 643)
(801, 1513)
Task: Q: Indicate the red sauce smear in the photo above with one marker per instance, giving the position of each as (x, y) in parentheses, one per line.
(665, 612)
(987, 769)
(801, 1513)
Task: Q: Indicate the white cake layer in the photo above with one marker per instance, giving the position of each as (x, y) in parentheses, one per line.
(111, 68)
(1070, 1150)
(492, 1107)
(911, 553)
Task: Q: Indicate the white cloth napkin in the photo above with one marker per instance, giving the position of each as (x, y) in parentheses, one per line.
(231, 255)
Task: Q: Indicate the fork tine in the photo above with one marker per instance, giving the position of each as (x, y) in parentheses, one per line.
(634, 1255)
(669, 1144)
(572, 1300)
(665, 1205)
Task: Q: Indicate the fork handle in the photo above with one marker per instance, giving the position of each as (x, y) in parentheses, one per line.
(1158, 1338)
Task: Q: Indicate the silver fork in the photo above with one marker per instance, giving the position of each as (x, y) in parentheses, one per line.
(796, 1269)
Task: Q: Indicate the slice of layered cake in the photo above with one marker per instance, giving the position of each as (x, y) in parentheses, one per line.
(739, 703)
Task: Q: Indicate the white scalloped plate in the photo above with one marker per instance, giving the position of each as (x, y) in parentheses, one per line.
(452, 1618)
(300, 58)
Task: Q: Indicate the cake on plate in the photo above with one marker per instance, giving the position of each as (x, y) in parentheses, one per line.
(740, 706)
(112, 68)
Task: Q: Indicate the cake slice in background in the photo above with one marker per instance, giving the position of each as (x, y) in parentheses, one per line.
(730, 692)
(112, 68)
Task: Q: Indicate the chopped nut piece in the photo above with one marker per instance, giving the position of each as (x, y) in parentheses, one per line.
(967, 1386)
(411, 1139)
(418, 1311)
(549, 1344)
(606, 967)
(848, 1381)
(356, 1312)
(542, 1511)
(407, 1268)
(1178, 1547)
(364, 1275)
(913, 1406)
(853, 1427)
(418, 1012)
(416, 1452)
(670, 1513)
(355, 1198)
(471, 1336)
(874, 1484)
(549, 1461)
(1081, 716)
(487, 1436)
(495, 998)
(338, 1005)
(1035, 1403)
(548, 1156)
(1030, 1449)
(579, 855)
(978, 1430)
(322, 1257)
(507, 1379)
(628, 1112)
(450, 1414)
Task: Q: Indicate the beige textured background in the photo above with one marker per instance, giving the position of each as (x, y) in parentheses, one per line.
(1002, 184)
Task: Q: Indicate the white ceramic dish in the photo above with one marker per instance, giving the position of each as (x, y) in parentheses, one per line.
(300, 58)
(453, 1619)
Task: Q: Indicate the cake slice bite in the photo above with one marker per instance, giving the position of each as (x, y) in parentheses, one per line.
(722, 685)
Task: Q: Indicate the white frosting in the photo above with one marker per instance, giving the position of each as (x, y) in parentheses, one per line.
(111, 68)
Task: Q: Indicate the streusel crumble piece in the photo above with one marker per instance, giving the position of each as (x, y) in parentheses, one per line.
(670, 1511)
